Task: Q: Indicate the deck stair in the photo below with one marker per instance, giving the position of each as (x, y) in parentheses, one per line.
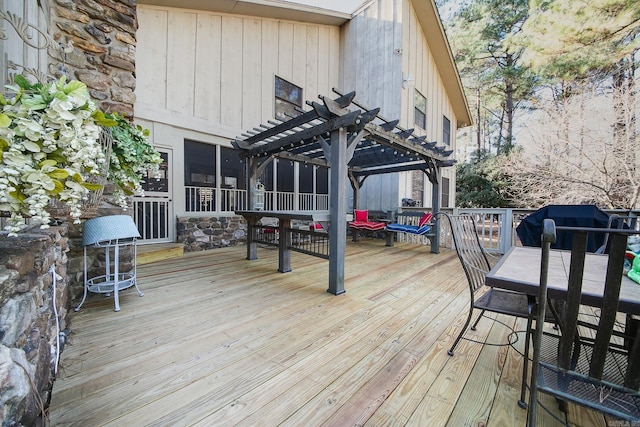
(158, 252)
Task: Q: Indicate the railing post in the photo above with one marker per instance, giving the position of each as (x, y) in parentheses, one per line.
(507, 231)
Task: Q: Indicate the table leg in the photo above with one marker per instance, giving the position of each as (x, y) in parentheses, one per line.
(252, 247)
(284, 253)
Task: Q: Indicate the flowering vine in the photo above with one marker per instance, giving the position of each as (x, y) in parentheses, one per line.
(50, 147)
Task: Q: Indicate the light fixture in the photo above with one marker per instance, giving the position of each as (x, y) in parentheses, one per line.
(407, 81)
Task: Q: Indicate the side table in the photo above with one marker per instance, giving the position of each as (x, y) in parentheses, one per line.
(111, 233)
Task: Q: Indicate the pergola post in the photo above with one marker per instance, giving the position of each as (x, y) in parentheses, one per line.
(434, 174)
(337, 211)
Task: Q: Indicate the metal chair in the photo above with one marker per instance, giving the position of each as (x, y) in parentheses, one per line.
(601, 373)
(476, 265)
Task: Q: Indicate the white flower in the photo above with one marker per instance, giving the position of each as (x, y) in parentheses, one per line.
(53, 140)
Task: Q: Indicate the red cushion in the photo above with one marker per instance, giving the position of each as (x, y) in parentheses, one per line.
(426, 219)
(366, 225)
(361, 215)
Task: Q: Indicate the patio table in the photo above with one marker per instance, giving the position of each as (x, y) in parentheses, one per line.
(284, 224)
(519, 270)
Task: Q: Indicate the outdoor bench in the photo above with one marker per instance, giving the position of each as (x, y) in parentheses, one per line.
(367, 222)
(410, 223)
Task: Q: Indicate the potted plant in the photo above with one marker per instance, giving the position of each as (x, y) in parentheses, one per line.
(50, 149)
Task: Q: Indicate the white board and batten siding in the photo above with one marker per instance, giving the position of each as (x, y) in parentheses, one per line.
(214, 73)
(385, 44)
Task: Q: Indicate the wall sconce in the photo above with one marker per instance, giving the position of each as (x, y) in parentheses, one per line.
(407, 81)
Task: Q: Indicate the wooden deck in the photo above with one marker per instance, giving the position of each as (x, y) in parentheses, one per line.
(219, 340)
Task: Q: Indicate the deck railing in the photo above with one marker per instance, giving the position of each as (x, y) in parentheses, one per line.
(214, 200)
(497, 227)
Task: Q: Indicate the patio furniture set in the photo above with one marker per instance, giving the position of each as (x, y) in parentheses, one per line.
(594, 363)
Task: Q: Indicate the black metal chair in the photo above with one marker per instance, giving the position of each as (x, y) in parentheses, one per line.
(601, 373)
(476, 265)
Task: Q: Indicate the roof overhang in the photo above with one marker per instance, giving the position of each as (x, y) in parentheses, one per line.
(275, 9)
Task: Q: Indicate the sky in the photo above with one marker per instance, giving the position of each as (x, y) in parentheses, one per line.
(346, 6)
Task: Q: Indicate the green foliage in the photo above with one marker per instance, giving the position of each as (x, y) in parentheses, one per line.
(49, 148)
(492, 76)
(481, 184)
(571, 39)
(131, 155)
(50, 151)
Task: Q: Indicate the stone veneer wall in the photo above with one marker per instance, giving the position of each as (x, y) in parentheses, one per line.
(102, 33)
(202, 233)
(28, 330)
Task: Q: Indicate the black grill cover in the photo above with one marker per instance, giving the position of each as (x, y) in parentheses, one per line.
(530, 228)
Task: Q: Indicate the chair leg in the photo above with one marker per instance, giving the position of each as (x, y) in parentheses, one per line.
(473, 327)
(462, 331)
(523, 387)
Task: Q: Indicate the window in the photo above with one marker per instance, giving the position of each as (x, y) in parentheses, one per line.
(200, 164)
(420, 107)
(445, 193)
(446, 131)
(232, 169)
(288, 97)
(306, 178)
(199, 176)
(285, 176)
(322, 181)
(157, 181)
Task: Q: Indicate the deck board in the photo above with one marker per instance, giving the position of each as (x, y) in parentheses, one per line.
(219, 340)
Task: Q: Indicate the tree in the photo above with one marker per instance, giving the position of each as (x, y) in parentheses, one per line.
(569, 39)
(490, 68)
(578, 47)
(481, 184)
(571, 158)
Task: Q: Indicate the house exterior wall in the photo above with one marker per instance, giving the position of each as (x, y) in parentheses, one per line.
(25, 56)
(387, 57)
(214, 73)
(208, 75)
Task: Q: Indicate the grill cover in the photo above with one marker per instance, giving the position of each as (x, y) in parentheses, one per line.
(530, 228)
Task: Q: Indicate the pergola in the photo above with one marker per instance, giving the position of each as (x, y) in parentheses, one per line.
(354, 142)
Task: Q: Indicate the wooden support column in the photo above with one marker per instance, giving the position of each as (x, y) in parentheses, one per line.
(284, 242)
(337, 211)
(356, 185)
(434, 173)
